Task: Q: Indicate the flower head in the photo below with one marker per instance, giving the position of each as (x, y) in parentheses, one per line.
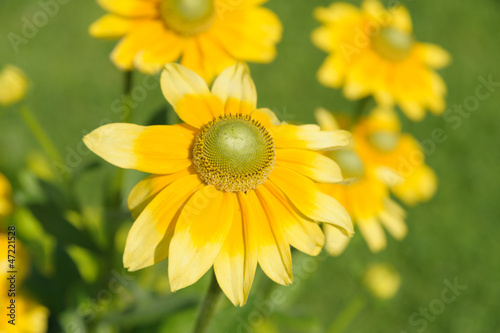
(13, 85)
(372, 51)
(380, 159)
(208, 35)
(231, 187)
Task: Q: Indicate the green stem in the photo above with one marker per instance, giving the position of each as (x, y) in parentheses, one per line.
(40, 134)
(208, 306)
(345, 318)
(117, 184)
(127, 90)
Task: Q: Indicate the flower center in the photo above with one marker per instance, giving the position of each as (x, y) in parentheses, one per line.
(188, 17)
(234, 153)
(384, 141)
(393, 44)
(350, 163)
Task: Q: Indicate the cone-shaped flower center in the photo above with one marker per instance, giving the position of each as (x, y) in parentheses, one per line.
(384, 141)
(393, 44)
(188, 17)
(234, 153)
(350, 163)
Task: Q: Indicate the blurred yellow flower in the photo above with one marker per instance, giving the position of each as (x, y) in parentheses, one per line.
(398, 158)
(13, 85)
(6, 204)
(208, 35)
(231, 187)
(30, 317)
(372, 51)
(382, 280)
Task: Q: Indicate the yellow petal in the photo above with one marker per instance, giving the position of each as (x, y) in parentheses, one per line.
(401, 18)
(13, 85)
(309, 200)
(235, 88)
(323, 39)
(200, 233)
(112, 26)
(372, 233)
(131, 8)
(149, 239)
(326, 120)
(332, 72)
(185, 89)
(153, 149)
(271, 248)
(303, 234)
(435, 56)
(311, 164)
(147, 189)
(249, 34)
(335, 240)
(139, 38)
(236, 262)
(335, 12)
(394, 224)
(167, 47)
(309, 137)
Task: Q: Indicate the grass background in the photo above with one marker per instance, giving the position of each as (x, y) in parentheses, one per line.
(455, 235)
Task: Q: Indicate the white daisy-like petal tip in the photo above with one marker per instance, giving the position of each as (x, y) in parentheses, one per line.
(178, 81)
(235, 82)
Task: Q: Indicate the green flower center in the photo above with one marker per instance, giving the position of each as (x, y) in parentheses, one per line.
(393, 44)
(350, 163)
(188, 17)
(384, 141)
(234, 153)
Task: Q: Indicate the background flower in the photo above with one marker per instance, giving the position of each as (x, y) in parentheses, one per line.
(372, 51)
(207, 35)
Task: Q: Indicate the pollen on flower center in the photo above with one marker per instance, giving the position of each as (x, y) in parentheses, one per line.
(234, 153)
(350, 163)
(393, 44)
(188, 17)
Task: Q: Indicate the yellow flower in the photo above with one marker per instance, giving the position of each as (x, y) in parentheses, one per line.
(30, 317)
(208, 35)
(13, 85)
(6, 204)
(367, 196)
(382, 280)
(372, 51)
(397, 157)
(231, 187)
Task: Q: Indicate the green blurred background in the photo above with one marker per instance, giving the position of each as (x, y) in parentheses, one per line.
(74, 87)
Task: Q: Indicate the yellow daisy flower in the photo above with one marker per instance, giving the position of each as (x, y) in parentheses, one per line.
(372, 51)
(208, 35)
(6, 204)
(398, 157)
(231, 187)
(13, 85)
(366, 197)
